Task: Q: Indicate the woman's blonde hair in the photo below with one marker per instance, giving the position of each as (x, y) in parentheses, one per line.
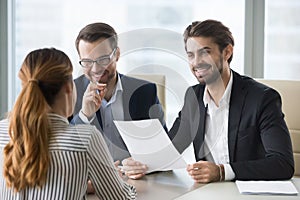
(26, 156)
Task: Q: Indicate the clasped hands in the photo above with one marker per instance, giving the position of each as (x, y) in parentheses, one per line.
(92, 98)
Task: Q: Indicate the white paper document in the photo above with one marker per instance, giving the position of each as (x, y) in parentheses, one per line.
(148, 143)
(267, 187)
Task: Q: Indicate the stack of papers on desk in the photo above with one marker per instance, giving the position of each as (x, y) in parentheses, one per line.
(148, 143)
(267, 187)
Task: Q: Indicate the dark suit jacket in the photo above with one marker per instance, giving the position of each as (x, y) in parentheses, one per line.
(258, 139)
(140, 101)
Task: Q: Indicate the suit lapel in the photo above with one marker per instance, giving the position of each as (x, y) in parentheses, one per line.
(235, 112)
(126, 97)
(81, 85)
(98, 114)
(199, 138)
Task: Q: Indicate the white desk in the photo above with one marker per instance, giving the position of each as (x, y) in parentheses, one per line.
(164, 185)
(178, 185)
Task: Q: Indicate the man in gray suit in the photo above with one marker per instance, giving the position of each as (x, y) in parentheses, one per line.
(104, 95)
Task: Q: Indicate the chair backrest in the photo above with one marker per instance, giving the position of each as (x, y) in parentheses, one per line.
(290, 95)
(160, 81)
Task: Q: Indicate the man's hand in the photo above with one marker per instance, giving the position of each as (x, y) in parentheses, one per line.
(117, 166)
(133, 169)
(92, 98)
(204, 172)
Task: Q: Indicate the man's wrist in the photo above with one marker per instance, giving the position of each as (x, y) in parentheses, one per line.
(84, 117)
(221, 172)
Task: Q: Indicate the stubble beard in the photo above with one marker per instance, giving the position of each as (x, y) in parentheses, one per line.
(215, 74)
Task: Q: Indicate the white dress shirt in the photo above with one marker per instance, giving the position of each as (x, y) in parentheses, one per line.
(113, 109)
(216, 136)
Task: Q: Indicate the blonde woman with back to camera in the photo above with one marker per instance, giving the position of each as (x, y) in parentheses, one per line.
(42, 155)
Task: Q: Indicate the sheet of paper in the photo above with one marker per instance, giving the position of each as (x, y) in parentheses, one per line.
(148, 143)
(267, 187)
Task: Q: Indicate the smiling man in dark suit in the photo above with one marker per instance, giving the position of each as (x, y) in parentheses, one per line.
(104, 95)
(235, 123)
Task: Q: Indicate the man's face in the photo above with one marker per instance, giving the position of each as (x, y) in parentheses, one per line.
(99, 50)
(205, 59)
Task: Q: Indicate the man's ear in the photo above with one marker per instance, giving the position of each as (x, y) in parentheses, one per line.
(228, 51)
(118, 53)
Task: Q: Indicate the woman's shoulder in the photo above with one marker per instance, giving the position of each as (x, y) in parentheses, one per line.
(4, 136)
(77, 136)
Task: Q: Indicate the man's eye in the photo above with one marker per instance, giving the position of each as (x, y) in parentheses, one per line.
(190, 55)
(86, 61)
(204, 53)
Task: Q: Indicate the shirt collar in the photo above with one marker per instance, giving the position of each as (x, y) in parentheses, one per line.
(118, 88)
(55, 118)
(226, 96)
(227, 93)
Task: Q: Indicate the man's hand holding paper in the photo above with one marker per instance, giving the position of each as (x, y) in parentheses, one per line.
(148, 144)
(133, 169)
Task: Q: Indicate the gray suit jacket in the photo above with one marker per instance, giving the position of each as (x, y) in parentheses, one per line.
(140, 101)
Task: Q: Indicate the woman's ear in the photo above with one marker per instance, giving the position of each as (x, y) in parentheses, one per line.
(69, 87)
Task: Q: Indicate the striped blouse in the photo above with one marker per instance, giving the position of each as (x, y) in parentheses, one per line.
(77, 153)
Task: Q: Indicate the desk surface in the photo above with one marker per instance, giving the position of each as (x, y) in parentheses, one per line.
(178, 185)
(229, 191)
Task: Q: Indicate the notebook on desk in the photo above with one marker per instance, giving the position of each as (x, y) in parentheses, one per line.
(267, 187)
